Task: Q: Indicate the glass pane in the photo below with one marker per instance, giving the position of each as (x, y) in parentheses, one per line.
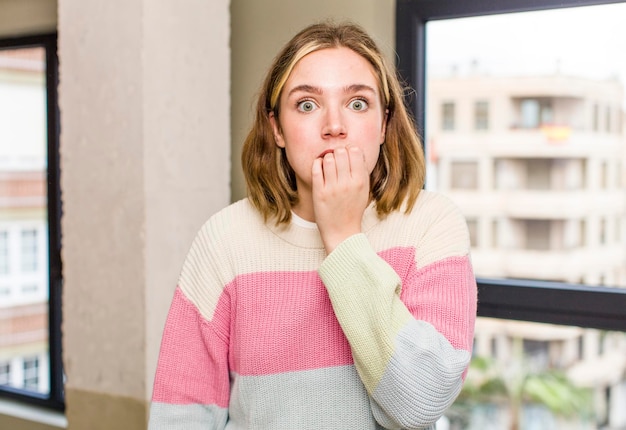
(539, 110)
(24, 357)
(535, 376)
(525, 118)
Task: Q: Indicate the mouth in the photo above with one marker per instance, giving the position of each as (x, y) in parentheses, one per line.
(328, 151)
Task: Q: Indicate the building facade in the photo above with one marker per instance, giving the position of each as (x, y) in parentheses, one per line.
(537, 166)
(24, 358)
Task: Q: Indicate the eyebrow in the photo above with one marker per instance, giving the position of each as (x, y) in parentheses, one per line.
(354, 88)
(305, 89)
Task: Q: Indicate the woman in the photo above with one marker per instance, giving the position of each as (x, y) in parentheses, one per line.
(338, 295)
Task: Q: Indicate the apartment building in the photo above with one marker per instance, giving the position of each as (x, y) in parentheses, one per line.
(24, 358)
(536, 164)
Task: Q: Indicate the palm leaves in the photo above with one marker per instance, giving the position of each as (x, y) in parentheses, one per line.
(516, 383)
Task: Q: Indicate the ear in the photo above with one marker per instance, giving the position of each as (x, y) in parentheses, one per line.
(278, 136)
(383, 131)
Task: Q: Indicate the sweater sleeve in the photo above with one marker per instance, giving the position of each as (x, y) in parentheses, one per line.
(191, 388)
(411, 337)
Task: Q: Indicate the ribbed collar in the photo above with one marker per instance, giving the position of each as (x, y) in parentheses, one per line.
(304, 237)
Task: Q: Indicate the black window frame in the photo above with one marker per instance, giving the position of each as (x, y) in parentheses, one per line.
(55, 399)
(525, 300)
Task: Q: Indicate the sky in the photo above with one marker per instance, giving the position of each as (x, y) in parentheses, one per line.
(585, 41)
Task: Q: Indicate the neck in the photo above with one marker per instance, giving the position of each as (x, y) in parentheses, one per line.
(304, 207)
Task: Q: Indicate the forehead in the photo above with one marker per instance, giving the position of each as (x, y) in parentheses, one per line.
(331, 67)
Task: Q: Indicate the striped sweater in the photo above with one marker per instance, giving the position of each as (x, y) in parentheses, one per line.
(267, 332)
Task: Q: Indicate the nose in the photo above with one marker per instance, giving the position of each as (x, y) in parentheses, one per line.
(334, 124)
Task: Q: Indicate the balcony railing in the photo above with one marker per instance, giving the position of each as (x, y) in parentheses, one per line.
(539, 204)
(526, 143)
(564, 265)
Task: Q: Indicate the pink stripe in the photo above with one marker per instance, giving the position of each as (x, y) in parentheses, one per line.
(444, 294)
(192, 364)
(285, 322)
(279, 322)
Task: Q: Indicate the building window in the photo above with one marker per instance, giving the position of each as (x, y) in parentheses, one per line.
(29, 250)
(583, 232)
(538, 174)
(537, 351)
(30, 238)
(535, 113)
(4, 252)
(604, 175)
(472, 226)
(530, 113)
(495, 241)
(31, 373)
(30, 288)
(464, 175)
(5, 373)
(447, 115)
(538, 235)
(481, 115)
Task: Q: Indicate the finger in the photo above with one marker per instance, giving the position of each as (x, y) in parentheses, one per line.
(317, 173)
(330, 169)
(357, 162)
(342, 163)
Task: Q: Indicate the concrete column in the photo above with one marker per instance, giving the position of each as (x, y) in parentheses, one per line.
(145, 160)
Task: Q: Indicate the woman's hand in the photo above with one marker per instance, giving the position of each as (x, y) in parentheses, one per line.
(341, 192)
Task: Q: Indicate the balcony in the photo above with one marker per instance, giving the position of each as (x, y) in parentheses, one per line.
(559, 204)
(543, 204)
(569, 265)
(523, 143)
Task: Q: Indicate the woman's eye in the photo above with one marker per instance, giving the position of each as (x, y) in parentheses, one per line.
(358, 105)
(306, 106)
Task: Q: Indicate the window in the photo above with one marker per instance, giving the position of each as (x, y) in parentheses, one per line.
(481, 115)
(472, 226)
(529, 297)
(603, 236)
(29, 250)
(537, 351)
(494, 234)
(464, 175)
(596, 117)
(531, 117)
(30, 288)
(604, 175)
(532, 191)
(538, 174)
(30, 264)
(31, 373)
(4, 252)
(447, 116)
(5, 373)
(538, 235)
(535, 113)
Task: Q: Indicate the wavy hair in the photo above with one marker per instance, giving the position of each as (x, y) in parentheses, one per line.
(399, 173)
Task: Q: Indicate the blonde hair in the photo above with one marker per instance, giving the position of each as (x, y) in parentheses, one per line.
(399, 173)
